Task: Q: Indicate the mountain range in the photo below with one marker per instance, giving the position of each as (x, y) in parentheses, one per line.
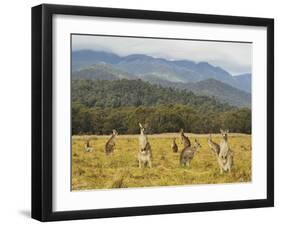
(201, 78)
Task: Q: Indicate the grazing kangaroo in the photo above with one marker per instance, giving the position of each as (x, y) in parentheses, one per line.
(110, 144)
(188, 153)
(87, 146)
(214, 146)
(225, 156)
(145, 154)
(174, 145)
(184, 139)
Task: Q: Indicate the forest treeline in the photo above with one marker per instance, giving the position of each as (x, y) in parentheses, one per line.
(135, 93)
(100, 106)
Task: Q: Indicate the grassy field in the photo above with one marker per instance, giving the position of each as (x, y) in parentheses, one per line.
(95, 170)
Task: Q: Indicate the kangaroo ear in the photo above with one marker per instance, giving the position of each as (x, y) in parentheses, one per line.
(140, 125)
(221, 130)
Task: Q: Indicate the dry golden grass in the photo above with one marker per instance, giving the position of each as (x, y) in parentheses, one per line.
(95, 170)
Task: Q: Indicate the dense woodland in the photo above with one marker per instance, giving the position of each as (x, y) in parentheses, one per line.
(100, 106)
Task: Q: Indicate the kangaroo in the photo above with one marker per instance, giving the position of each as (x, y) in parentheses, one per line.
(87, 146)
(145, 154)
(188, 153)
(214, 146)
(174, 145)
(110, 144)
(184, 139)
(225, 156)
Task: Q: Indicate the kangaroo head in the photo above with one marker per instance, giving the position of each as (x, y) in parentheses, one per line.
(224, 133)
(181, 132)
(114, 132)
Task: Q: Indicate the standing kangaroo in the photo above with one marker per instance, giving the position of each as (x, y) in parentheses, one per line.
(110, 144)
(145, 154)
(214, 146)
(188, 153)
(225, 156)
(174, 145)
(87, 146)
(184, 139)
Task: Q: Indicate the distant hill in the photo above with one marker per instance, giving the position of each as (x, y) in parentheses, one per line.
(245, 81)
(143, 66)
(134, 93)
(212, 88)
(101, 71)
(221, 91)
(209, 87)
(85, 58)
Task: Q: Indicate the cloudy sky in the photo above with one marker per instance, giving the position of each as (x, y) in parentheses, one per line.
(236, 58)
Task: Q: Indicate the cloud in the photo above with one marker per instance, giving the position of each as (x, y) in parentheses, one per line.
(236, 58)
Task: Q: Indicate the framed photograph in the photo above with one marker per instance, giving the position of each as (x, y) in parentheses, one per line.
(145, 112)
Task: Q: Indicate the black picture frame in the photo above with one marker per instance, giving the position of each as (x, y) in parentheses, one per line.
(42, 107)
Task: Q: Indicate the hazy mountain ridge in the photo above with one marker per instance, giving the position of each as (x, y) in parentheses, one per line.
(212, 88)
(221, 91)
(101, 71)
(209, 87)
(245, 81)
(141, 65)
